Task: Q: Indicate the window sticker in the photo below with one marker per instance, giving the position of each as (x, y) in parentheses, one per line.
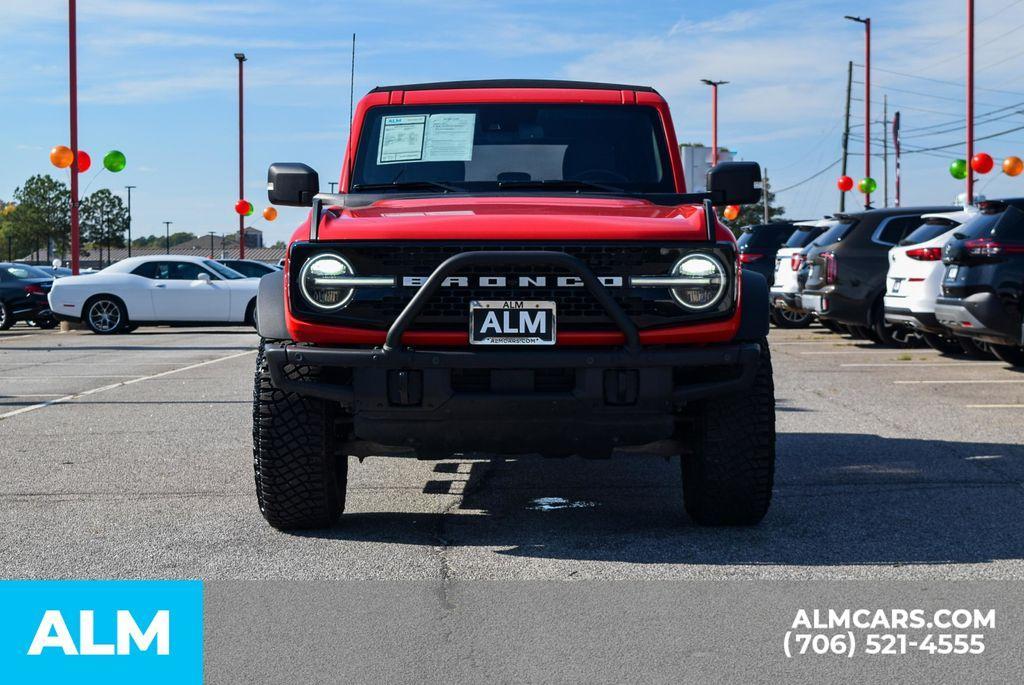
(426, 138)
(401, 139)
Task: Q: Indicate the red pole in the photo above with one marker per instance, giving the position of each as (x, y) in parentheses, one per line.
(969, 200)
(867, 106)
(896, 141)
(241, 159)
(73, 72)
(714, 125)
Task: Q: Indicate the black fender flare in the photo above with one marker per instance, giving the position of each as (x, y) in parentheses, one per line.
(270, 309)
(754, 307)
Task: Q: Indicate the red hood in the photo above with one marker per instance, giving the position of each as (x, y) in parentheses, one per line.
(513, 218)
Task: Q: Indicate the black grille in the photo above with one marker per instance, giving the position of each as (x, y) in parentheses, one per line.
(576, 309)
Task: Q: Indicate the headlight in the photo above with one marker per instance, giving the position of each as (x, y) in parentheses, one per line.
(702, 281)
(324, 282)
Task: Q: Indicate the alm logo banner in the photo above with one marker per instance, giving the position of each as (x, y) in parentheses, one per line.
(101, 631)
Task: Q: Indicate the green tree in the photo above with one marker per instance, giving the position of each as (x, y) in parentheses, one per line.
(104, 220)
(42, 215)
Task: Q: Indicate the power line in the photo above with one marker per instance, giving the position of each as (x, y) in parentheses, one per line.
(809, 178)
(958, 84)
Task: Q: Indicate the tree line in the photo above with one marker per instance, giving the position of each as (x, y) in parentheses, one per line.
(38, 219)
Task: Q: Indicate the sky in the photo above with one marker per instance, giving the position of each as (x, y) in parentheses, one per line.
(157, 81)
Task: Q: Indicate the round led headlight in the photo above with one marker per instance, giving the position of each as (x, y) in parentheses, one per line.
(702, 280)
(322, 281)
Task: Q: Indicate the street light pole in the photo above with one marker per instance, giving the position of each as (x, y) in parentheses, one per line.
(240, 56)
(129, 189)
(73, 80)
(167, 226)
(714, 117)
(969, 200)
(867, 100)
(212, 233)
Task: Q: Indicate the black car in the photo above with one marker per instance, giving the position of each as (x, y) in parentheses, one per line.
(23, 291)
(846, 267)
(759, 243)
(250, 268)
(983, 287)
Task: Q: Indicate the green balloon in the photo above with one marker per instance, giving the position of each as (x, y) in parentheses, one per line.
(249, 211)
(867, 185)
(958, 169)
(114, 161)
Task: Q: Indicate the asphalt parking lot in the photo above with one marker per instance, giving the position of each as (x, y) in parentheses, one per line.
(129, 456)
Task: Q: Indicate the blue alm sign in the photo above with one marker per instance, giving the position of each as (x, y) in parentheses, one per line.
(101, 631)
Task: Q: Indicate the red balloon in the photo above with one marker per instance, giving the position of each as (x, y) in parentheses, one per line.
(84, 161)
(982, 163)
(242, 207)
(845, 183)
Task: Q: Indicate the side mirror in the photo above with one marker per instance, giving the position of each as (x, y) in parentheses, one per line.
(292, 184)
(203, 276)
(735, 183)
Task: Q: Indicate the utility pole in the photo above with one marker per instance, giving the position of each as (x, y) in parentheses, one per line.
(846, 131)
(212, 233)
(969, 200)
(885, 150)
(73, 74)
(129, 189)
(167, 242)
(896, 143)
(867, 101)
(714, 117)
(764, 194)
(240, 56)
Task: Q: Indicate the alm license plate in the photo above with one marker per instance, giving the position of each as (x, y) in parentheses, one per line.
(511, 322)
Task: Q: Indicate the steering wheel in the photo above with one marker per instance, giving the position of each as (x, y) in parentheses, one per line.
(599, 175)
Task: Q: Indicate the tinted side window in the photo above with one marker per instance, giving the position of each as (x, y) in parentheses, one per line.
(147, 270)
(185, 271)
(895, 228)
(803, 238)
(927, 231)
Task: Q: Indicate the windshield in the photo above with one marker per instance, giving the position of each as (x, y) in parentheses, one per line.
(1007, 223)
(221, 270)
(928, 230)
(803, 236)
(834, 234)
(502, 147)
(766, 236)
(21, 271)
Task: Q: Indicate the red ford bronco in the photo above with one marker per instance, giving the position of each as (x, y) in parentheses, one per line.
(512, 267)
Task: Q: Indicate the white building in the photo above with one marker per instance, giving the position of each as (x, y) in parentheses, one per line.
(697, 162)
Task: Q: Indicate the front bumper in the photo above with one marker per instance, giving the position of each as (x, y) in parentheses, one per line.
(552, 401)
(981, 316)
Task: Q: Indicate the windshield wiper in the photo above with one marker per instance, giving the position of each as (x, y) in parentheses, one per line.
(408, 185)
(561, 184)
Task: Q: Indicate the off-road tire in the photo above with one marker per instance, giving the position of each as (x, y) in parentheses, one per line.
(300, 474)
(787, 318)
(728, 473)
(1011, 354)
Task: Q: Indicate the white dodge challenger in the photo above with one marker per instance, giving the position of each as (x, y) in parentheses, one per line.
(156, 290)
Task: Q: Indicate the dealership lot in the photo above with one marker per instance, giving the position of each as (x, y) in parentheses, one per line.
(129, 456)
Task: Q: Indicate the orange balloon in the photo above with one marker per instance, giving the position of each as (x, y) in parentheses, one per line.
(1012, 166)
(62, 156)
(731, 212)
(269, 213)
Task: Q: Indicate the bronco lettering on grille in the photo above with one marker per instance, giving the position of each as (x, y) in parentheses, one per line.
(512, 281)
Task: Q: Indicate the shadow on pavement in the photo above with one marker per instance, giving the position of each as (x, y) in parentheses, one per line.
(840, 499)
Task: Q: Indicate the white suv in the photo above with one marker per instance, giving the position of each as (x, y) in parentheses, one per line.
(915, 275)
(787, 311)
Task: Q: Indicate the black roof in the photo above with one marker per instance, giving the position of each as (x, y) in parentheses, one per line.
(889, 211)
(513, 83)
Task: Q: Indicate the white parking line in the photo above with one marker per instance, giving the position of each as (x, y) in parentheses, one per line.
(54, 378)
(104, 388)
(907, 364)
(871, 351)
(940, 382)
(994, 406)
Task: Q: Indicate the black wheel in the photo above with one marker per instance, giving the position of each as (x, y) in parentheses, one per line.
(5, 317)
(894, 335)
(787, 318)
(941, 343)
(859, 332)
(1011, 354)
(250, 313)
(300, 474)
(728, 475)
(833, 326)
(975, 348)
(105, 315)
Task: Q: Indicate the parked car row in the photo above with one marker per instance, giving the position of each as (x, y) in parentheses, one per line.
(23, 291)
(948, 277)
